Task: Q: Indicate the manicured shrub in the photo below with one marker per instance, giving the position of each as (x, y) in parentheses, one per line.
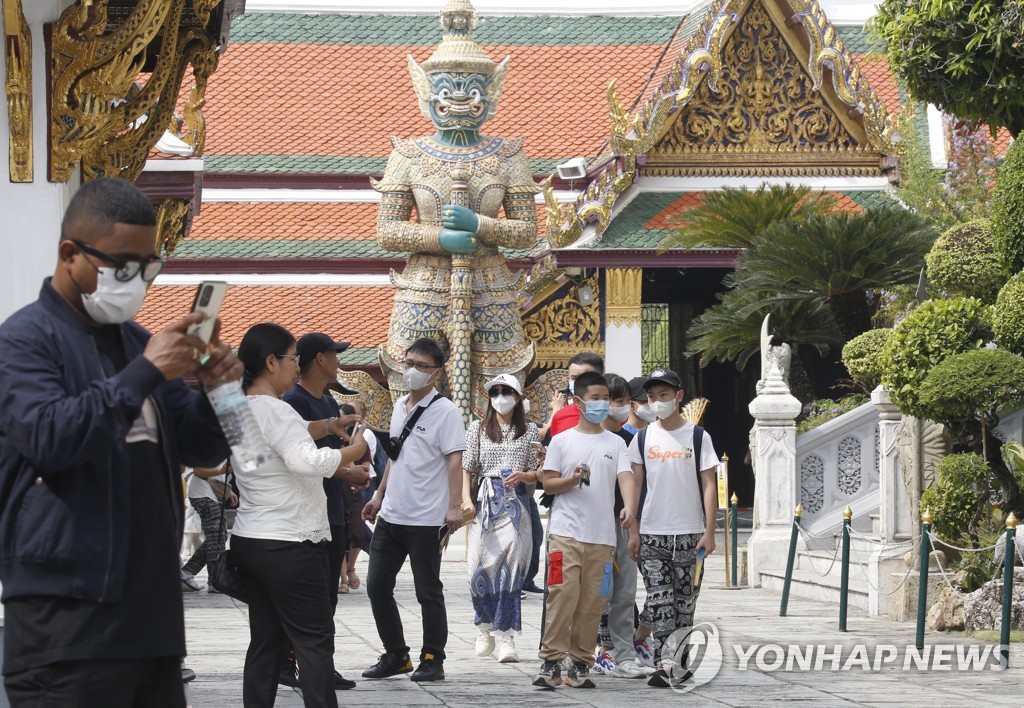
(1008, 210)
(972, 386)
(959, 499)
(963, 262)
(862, 356)
(1008, 315)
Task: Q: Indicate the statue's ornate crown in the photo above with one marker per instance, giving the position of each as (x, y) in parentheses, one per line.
(458, 51)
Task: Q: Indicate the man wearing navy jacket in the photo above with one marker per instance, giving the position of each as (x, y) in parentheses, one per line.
(95, 423)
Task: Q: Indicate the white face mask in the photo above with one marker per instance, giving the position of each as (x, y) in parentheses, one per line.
(664, 409)
(644, 413)
(572, 387)
(503, 404)
(114, 301)
(620, 414)
(415, 379)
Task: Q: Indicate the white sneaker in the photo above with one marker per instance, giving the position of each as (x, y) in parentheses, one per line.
(484, 644)
(507, 651)
(627, 670)
(188, 582)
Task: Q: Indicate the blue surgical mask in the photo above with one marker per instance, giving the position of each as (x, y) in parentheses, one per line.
(597, 411)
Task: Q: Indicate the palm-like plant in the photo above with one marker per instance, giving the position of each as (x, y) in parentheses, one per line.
(732, 218)
(838, 259)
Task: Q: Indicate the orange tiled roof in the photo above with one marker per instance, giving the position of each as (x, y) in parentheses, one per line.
(306, 221)
(358, 314)
(664, 218)
(346, 100)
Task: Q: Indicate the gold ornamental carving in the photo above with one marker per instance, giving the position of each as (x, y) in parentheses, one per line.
(173, 217)
(767, 111)
(18, 58)
(563, 327)
(622, 296)
(102, 115)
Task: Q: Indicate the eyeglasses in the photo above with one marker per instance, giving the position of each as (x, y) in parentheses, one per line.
(293, 357)
(502, 391)
(425, 368)
(125, 270)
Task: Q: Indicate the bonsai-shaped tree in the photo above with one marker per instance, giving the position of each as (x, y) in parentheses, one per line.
(862, 357)
(964, 261)
(1008, 315)
(966, 392)
(1008, 208)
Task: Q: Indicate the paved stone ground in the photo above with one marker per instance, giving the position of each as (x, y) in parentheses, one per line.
(218, 635)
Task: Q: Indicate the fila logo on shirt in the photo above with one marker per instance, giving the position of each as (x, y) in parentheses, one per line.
(654, 452)
(608, 456)
(421, 429)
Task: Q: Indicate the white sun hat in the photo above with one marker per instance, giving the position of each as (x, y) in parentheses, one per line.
(504, 380)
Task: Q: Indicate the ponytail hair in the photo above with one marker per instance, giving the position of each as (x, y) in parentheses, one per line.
(262, 340)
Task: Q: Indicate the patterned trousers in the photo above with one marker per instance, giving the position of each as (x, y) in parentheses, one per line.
(215, 535)
(667, 564)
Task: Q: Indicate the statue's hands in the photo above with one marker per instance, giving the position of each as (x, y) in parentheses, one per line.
(458, 241)
(458, 218)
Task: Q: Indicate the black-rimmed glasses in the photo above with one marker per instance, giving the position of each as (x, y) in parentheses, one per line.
(425, 368)
(125, 270)
(502, 391)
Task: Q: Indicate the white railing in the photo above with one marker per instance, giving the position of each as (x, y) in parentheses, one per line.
(1011, 425)
(837, 464)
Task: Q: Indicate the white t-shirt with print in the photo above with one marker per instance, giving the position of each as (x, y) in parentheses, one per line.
(587, 513)
(673, 504)
(417, 491)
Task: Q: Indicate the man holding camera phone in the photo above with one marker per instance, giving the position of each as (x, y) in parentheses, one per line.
(418, 500)
(95, 424)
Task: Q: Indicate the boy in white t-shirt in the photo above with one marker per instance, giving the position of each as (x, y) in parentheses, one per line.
(677, 520)
(581, 533)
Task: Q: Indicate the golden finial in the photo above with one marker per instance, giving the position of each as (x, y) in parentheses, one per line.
(735, 499)
(847, 513)
(1011, 521)
(799, 511)
(926, 517)
(725, 458)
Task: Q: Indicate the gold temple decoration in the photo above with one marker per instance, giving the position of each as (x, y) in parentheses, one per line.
(18, 57)
(562, 327)
(622, 292)
(173, 218)
(703, 69)
(100, 115)
(375, 397)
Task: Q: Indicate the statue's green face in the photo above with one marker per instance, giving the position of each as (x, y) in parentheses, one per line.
(458, 101)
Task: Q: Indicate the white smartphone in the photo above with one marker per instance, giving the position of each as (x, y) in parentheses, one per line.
(209, 298)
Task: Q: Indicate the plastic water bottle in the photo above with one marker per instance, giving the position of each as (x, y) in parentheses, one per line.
(248, 448)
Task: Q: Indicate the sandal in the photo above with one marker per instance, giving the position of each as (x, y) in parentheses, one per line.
(353, 581)
(343, 589)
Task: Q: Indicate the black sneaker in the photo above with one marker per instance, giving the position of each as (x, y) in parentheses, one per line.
(550, 674)
(532, 587)
(389, 665)
(578, 676)
(341, 683)
(289, 675)
(430, 669)
(663, 678)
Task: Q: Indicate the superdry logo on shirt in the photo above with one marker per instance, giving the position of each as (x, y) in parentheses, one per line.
(654, 452)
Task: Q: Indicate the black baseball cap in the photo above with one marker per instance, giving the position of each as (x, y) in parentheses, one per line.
(309, 345)
(664, 376)
(637, 392)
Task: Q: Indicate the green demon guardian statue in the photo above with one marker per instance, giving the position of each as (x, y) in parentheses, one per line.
(456, 287)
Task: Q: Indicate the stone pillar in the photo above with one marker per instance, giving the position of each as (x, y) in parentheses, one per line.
(623, 340)
(776, 494)
(894, 506)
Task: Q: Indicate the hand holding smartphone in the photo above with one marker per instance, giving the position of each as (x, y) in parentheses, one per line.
(208, 300)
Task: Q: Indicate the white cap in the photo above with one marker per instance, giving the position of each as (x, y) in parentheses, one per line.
(504, 380)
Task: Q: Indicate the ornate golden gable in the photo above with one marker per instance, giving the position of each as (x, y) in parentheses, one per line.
(766, 117)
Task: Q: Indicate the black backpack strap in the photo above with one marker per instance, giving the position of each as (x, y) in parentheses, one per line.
(409, 424)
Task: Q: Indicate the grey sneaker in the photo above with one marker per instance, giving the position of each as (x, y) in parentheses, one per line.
(550, 675)
(188, 583)
(578, 676)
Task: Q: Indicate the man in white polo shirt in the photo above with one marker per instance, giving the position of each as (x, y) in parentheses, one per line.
(677, 516)
(418, 499)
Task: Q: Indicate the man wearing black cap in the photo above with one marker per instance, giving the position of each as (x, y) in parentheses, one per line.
(318, 368)
(676, 523)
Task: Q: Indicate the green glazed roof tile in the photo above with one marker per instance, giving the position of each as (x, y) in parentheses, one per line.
(425, 30)
(323, 164)
(628, 231)
(358, 356)
(858, 40)
(297, 248)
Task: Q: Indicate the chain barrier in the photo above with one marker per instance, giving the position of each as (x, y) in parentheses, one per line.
(935, 539)
(835, 555)
(895, 589)
(807, 535)
(942, 572)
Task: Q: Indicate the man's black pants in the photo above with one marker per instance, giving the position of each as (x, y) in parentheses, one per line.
(392, 543)
(288, 602)
(111, 683)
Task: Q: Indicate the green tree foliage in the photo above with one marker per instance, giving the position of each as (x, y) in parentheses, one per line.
(1008, 209)
(839, 259)
(964, 56)
(1008, 315)
(933, 331)
(964, 262)
(732, 218)
(862, 356)
(966, 392)
(959, 501)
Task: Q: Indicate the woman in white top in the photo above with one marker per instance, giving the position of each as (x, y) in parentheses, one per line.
(281, 536)
(500, 452)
